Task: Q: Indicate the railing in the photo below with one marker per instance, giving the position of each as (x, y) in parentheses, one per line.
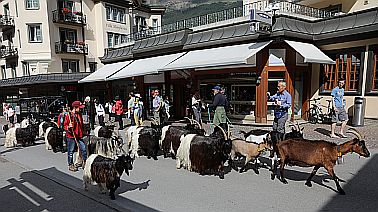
(8, 51)
(75, 48)
(282, 7)
(70, 17)
(6, 20)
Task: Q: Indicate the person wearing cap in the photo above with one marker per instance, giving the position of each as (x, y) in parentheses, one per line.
(119, 111)
(219, 103)
(73, 125)
(283, 101)
(156, 106)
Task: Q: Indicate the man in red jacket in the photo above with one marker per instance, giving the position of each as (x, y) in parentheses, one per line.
(119, 111)
(73, 125)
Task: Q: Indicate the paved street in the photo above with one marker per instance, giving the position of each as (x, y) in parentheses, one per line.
(34, 179)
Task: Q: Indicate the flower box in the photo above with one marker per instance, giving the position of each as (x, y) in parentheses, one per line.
(78, 13)
(66, 10)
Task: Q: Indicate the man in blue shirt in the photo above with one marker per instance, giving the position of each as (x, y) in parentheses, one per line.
(283, 102)
(339, 108)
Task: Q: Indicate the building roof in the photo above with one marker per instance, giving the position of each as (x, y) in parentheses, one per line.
(43, 79)
(353, 26)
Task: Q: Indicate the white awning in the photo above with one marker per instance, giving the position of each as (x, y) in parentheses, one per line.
(102, 73)
(311, 53)
(145, 66)
(236, 55)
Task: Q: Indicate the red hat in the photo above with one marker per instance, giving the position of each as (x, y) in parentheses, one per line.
(77, 104)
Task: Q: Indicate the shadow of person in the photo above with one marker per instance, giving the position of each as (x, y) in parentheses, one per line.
(323, 131)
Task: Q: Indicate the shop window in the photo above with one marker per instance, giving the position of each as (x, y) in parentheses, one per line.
(348, 67)
(375, 73)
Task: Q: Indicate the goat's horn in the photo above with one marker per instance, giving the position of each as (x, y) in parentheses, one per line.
(224, 133)
(356, 133)
(190, 120)
(195, 121)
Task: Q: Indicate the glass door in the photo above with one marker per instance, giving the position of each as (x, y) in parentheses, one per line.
(273, 78)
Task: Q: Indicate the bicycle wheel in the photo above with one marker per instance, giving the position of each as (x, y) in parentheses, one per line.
(313, 116)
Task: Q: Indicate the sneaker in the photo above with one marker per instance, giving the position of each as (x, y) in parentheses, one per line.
(77, 165)
(72, 168)
(334, 136)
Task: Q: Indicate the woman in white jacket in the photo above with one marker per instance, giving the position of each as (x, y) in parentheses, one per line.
(100, 111)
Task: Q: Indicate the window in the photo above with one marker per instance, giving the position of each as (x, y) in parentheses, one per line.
(115, 39)
(32, 4)
(108, 13)
(115, 14)
(348, 67)
(35, 33)
(155, 24)
(92, 66)
(3, 72)
(70, 66)
(25, 69)
(110, 40)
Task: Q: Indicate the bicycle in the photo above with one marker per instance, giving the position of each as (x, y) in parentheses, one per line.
(315, 113)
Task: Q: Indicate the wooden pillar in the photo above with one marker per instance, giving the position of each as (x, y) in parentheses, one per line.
(167, 83)
(261, 89)
(289, 78)
(306, 91)
(261, 98)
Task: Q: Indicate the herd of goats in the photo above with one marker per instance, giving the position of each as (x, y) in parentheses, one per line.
(191, 147)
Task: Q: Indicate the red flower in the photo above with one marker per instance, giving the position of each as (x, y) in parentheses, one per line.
(66, 10)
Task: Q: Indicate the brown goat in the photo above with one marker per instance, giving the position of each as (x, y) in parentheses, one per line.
(305, 153)
(248, 150)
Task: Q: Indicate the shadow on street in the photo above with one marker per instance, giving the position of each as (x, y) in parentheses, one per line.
(34, 192)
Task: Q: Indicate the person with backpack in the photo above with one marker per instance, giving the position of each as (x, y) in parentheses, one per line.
(74, 127)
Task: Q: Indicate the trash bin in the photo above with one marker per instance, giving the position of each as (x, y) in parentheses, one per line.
(359, 111)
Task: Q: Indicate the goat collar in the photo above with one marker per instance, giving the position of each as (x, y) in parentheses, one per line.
(339, 153)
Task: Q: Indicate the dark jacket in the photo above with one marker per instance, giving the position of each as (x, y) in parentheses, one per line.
(219, 100)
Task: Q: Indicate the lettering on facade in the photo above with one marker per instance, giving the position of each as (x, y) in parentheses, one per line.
(116, 26)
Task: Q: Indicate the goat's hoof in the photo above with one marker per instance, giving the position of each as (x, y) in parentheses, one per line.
(284, 181)
(155, 158)
(241, 170)
(272, 176)
(148, 157)
(112, 197)
(341, 192)
(309, 184)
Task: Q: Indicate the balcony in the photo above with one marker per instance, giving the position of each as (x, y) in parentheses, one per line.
(6, 22)
(69, 17)
(71, 48)
(8, 52)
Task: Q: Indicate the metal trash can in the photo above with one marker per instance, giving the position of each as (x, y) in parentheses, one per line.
(359, 111)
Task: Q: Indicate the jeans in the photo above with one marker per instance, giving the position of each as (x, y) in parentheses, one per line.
(197, 114)
(279, 123)
(71, 146)
(120, 121)
(101, 120)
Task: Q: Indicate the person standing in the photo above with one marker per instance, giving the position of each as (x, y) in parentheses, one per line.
(73, 125)
(119, 112)
(138, 109)
(61, 119)
(339, 114)
(283, 102)
(156, 106)
(100, 111)
(219, 103)
(11, 116)
(166, 110)
(196, 106)
(130, 108)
